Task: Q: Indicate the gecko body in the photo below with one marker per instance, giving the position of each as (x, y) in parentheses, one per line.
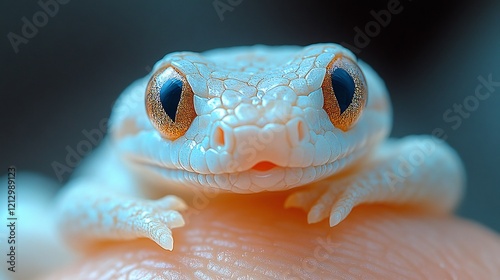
(247, 120)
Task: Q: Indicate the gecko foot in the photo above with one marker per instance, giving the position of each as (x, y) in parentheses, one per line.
(157, 221)
(116, 217)
(402, 172)
(324, 202)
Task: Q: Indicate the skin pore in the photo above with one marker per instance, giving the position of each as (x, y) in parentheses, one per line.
(253, 237)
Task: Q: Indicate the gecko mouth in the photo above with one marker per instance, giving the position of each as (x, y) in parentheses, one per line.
(264, 166)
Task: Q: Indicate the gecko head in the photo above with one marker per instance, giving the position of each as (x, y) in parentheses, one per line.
(252, 119)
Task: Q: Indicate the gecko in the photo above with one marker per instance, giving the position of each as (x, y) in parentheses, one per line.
(244, 120)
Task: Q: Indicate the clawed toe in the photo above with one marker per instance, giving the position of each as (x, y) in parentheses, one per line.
(172, 219)
(302, 199)
(158, 227)
(171, 202)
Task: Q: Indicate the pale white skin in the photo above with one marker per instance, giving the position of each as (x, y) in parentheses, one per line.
(267, 103)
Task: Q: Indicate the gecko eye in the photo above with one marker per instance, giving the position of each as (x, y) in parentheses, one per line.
(344, 92)
(169, 103)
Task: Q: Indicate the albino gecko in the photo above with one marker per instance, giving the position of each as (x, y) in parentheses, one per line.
(247, 120)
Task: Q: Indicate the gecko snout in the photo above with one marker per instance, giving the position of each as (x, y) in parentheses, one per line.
(249, 146)
(295, 131)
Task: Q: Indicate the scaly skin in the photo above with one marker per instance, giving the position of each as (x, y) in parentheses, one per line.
(254, 106)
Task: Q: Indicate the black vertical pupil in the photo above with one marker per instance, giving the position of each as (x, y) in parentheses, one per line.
(343, 87)
(170, 95)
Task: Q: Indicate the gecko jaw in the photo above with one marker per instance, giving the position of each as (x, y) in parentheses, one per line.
(263, 176)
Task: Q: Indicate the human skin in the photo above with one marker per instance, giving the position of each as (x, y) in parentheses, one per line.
(253, 237)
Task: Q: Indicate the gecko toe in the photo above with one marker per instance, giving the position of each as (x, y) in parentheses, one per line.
(172, 219)
(317, 213)
(295, 200)
(172, 202)
(166, 241)
(341, 209)
(158, 227)
(335, 219)
(303, 199)
(162, 235)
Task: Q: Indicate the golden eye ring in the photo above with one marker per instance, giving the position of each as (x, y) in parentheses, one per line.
(169, 102)
(344, 92)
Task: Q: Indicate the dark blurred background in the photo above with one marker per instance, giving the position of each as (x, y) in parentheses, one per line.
(64, 78)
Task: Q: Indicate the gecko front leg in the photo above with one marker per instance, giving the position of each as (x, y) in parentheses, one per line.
(91, 212)
(416, 170)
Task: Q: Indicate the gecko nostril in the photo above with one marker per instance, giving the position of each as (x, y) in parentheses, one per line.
(218, 137)
(302, 130)
(298, 132)
(221, 137)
